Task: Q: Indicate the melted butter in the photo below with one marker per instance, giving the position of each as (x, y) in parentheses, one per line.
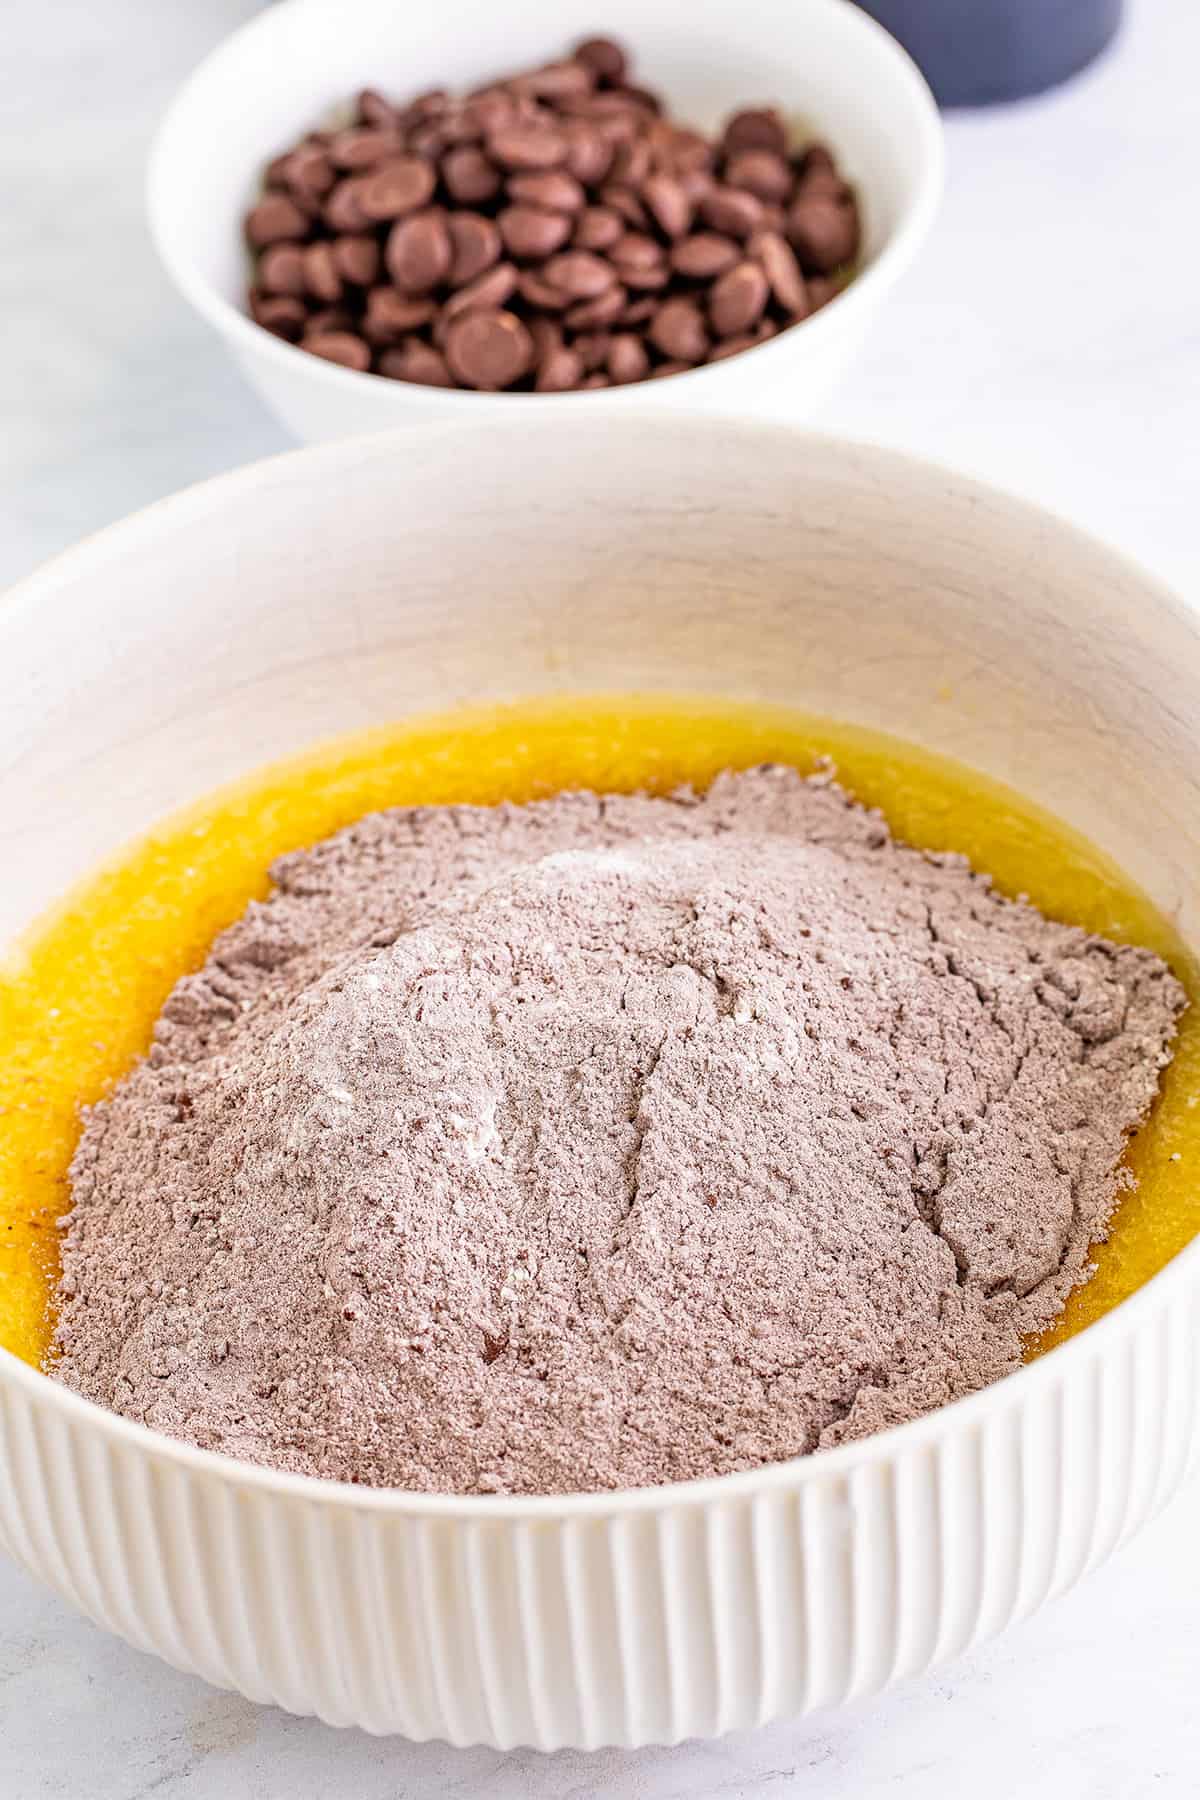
(79, 995)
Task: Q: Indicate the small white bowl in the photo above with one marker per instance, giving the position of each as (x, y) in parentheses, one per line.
(341, 588)
(824, 61)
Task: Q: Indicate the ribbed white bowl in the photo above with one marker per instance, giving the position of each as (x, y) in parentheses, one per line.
(347, 586)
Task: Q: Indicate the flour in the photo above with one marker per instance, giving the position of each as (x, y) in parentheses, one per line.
(603, 1141)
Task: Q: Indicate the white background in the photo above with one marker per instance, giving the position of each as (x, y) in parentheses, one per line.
(1050, 340)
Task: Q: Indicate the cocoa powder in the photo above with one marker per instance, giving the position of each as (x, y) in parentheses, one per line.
(603, 1141)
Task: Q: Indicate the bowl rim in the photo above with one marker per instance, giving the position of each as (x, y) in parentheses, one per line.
(245, 335)
(844, 1461)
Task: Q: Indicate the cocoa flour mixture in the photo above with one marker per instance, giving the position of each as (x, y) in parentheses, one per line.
(601, 1142)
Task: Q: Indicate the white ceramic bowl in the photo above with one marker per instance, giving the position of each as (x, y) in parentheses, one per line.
(831, 66)
(344, 587)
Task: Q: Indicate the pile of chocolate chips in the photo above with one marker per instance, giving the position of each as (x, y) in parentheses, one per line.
(552, 231)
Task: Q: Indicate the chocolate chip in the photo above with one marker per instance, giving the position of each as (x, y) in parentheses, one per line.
(275, 220)
(488, 350)
(592, 348)
(678, 330)
(308, 172)
(537, 292)
(605, 309)
(589, 154)
(670, 368)
(396, 188)
(415, 361)
(390, 316)
(475, 245)
(557, 79)
(554, 190)
(343, 210)
(579, 274)
(598, 380)
(633, 249)
(603, 57)
(361, 147)
(760, 172)
(419, 252)
(598, 228)
(782, 271)
(627, 359)
(731, 211)
(668, 203)
(757, 128)
(638, 311)
(631, 164)
(527, 147)
(374, 109)
(470, 176)
(284, 315)
(329, 318)
(357, 259)
(492, 290)
(559, 370)
(281, 270)
(321, 276)
(531, 232)
(704, 255)
(339, 347)
(737, 299)
(624, 201)
(823, 234)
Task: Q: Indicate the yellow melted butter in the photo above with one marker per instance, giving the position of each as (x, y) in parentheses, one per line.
(79, 995)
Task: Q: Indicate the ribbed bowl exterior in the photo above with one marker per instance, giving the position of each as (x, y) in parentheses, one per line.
(640, 1619)
(337, 589)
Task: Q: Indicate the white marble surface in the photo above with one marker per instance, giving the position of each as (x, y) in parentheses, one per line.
(1050, 340)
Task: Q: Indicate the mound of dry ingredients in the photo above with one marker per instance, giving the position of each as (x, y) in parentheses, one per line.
(603, 1141)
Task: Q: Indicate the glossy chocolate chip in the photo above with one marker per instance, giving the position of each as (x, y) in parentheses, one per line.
(731, 211)
(678, 330)
(470, 176)
(737, 299)
(321, 277)
(527, 147)
(559, 370)
(343, 347)
(281, 270)
(282, 314)
(494, 289)
(704, 255)
(668, 203)
(580, 274)
(782, 271)
(554, 190)
(755, 128)
(419, 252)
(598, 228)
(396, 188)
(532, 233)
(823, 234)
(415, 361)
(761, 173)
(391, 316)
(275, 220)
(488, 350)
(475, 244)
(604, 57)
(357, 259)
